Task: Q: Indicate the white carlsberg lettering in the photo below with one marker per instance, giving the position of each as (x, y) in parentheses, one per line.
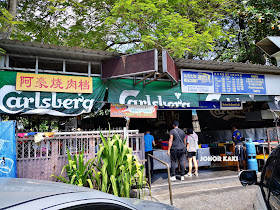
(3, 92)
(16, 104)
(127, 93)
(66, 103)
(27, 101)
(54, 101)
(148, 100)
(160, 101)
(37, 100)
(47, 102)
(88, 107)
(76, 102)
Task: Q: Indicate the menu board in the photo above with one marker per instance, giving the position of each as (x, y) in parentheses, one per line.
(222, 82)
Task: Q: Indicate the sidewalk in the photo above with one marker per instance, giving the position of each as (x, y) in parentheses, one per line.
(160, 177)
(212, 189)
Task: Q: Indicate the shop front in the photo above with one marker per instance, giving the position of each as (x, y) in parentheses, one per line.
(242, 101)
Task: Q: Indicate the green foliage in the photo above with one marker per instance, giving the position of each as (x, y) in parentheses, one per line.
(126, 26)
(114, 170)
(117, 169)
(77, 171)
(250, 22)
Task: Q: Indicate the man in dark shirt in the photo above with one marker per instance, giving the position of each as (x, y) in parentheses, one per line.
(177, 150)
(238, 145)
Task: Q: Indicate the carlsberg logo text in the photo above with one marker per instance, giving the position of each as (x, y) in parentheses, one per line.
(17, 103)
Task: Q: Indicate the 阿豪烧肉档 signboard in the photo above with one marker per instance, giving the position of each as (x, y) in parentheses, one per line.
(53, 83)
(222, 82)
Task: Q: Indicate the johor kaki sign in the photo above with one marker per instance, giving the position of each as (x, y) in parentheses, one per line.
(133, 111)
(53, 83)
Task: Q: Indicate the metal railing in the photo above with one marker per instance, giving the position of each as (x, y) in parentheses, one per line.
(168, 173)
(47, 157)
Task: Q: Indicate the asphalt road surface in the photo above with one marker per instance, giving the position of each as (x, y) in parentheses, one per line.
(220, 192)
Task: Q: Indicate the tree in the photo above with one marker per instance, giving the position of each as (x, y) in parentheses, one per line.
(250, 22)
(124, 25)
(8, 11)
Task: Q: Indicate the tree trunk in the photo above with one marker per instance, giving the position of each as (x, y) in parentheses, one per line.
(8, 28)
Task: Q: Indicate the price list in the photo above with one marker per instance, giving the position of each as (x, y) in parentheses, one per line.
(237, 83)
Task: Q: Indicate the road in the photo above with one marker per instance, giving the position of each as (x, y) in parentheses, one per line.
(221, 192)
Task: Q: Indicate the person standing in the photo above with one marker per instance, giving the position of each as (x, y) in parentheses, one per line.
(238, 146)
(149, 143)
(192, 150)
(177, 150)
(188, 131)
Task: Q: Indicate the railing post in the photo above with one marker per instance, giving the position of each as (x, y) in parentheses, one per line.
(91, 148)
(149, 170)
(54, 158)
(168, 173)
(169, 183)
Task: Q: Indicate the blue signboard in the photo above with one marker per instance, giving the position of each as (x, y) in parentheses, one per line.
(8, 163)
(239, 83)
(203, 105)
(222, 82)
(209, 105)
(231, 105)
(197, 78)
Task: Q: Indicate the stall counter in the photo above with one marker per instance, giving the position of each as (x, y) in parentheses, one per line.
(162, 155)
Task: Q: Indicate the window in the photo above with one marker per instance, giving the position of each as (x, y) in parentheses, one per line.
(98, 206)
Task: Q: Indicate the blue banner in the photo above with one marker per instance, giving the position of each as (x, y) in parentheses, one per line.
(222, 82)
(203, 105)
(8, 162)
(239, 83)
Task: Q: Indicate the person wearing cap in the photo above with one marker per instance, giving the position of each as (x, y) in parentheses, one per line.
(192, 150)
(177, 149)
(238, 146)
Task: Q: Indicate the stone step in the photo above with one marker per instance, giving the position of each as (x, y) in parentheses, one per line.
(189, 186)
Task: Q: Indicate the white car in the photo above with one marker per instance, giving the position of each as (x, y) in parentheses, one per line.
(16, 193)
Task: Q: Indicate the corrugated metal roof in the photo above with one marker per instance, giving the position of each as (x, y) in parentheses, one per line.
(226, 66)
(55, 51)
(82, 54)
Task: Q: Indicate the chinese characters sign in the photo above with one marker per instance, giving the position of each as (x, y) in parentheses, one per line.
(222, 82)
(133, 111)
(53, 83)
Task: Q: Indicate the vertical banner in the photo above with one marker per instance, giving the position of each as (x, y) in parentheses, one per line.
(195, 122)
(8, 162)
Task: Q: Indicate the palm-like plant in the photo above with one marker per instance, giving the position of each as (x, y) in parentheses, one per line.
(77, 171)
(117, 169)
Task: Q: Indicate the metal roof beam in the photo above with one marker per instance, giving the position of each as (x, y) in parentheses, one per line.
(56, 59)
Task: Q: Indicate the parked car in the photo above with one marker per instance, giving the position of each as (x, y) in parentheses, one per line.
(37, 194)
(268, 194)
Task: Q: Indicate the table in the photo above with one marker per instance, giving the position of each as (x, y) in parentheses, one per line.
(162, 155)
(225, 147)
(263, 145)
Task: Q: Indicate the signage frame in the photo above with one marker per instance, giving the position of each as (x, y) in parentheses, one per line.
(120, 62)
(169, 67)
(211, 88)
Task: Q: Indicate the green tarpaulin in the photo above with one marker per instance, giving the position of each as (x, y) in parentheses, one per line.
(159, 93)
(57, 104)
